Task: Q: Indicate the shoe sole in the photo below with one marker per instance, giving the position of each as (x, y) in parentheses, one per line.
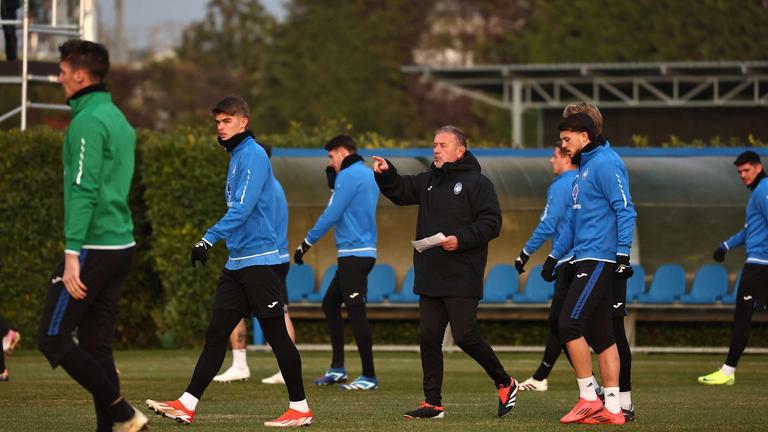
(160, 412)
(731, 382)
(231, 381)
(322, 384)
(306, 422)
(439, 416)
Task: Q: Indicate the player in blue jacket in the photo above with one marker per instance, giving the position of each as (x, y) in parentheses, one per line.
(600, 231)
(351, 212)
(249, 284)
(752, 291)
(551, 221)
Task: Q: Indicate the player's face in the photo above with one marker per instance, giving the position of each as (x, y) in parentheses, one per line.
(749, 172)
(228, 126)
(446, 149)
(71, 80)
(560, 161)
(336, 157)
(573, 142)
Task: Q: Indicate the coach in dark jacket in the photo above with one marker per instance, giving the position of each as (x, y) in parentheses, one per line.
(455, 199)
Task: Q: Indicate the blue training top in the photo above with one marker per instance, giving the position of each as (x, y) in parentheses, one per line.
(755, 232)
(249, 223)
(281, 222)
(352, 212)
(555, 214)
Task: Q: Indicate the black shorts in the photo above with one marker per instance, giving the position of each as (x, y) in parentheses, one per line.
(350, 283)
(282, 275)
(253, 290)
(619, 305)
(587, 307)
(753, 286)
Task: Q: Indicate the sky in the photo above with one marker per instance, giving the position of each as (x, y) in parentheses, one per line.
(160, 21)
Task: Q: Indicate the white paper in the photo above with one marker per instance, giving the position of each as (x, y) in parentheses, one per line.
(428, 242)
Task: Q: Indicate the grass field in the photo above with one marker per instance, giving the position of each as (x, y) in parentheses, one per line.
(666, 395)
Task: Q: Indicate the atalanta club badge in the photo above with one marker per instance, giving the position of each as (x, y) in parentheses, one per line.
(457, 188)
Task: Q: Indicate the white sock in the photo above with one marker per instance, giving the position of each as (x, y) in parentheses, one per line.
(612, 403)
(189, 401)
(587, 388)
(300, 406)
(238, 359)
(625, 399)
(728, 370)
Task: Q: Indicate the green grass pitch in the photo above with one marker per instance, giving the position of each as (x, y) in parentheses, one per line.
(665, 393)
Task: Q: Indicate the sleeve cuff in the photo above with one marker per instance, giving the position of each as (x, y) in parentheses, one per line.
(71, 252)
(209, 239)
(306, 240)
(725, 243)
(622, 250)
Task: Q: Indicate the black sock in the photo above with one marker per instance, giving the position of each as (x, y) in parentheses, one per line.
(223, 321)
(359, 321)
(288, 358)
(89, 374)
(551, 353)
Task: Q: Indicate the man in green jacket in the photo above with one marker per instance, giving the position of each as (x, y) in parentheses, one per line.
(98, 158)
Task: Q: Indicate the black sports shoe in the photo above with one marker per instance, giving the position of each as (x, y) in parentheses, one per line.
(600, 393)
(507, 397)
(425, 411)
(629, 414)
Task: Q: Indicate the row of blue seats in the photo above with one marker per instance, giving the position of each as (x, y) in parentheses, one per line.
(710, 285)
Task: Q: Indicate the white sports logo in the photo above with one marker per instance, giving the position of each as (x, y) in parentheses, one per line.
(581, 275)
(57, 279)
(617, 305)
(271, 305)
(747, 298)
(353, 295)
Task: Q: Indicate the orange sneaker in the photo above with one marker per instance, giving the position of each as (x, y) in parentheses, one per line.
(582, 409)
(604, 417)
(291, 418)
(173, 410)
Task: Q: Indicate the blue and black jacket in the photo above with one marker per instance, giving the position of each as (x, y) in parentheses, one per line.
(248, 226)
(555, 214)
(351, 211)
(602, 221)
(755, 232)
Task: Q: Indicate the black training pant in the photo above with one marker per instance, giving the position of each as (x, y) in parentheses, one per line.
(8, 12)
(554, 346)
(752, 295)
(350, 287)
(90, 362)
(461, 312)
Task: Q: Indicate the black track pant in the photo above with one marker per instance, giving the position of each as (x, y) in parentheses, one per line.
(90, 362)
(4, 328)
(554, 346)
(752, 295)
(461, 312)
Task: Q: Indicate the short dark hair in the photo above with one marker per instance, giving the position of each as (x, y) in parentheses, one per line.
(345, 141)
(456, 132)
(747, 157)
(578, 122)
(90, 56)
(232, 105)
(267, 148)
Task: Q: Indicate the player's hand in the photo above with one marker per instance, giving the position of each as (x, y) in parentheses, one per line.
(330, 176)
(623, 269)
(200, 252)
(451, 243)
(71, 277)
(548, 269)
(719, 254)
(520, 262)
(380, 164)
(298, 256)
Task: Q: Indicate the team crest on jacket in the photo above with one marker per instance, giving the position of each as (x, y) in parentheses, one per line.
(575, 193)
(457, 188)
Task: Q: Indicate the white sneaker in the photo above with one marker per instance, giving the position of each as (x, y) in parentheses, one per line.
(532, 384)
(233, 374)
(136, 423)
(274, 379)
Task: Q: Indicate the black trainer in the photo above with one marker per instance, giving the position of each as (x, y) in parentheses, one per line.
(600, 393)
(425, 411)
(629, 414)
(507, 397)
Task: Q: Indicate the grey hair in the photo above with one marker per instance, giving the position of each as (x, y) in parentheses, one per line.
(456, 132)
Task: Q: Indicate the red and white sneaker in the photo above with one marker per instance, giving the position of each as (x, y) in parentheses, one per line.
(582, 409)
(291, 418)
(604, 417)
(11, 341)
(173, 410)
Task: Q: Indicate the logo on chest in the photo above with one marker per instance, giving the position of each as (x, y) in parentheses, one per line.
(457, 188)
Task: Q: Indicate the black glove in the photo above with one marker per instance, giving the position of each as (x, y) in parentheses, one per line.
(520, 262)
(548, 269)
(623, 269)
(199, 252)
(330, 175)
(298, 256)
(719, 254)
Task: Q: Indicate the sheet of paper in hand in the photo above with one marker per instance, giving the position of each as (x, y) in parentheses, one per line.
(428, 242)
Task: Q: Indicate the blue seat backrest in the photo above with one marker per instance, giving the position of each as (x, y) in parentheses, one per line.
(709, 285)
(730, 298)
(406, 295)
(636, 284)
(500, 284)
(381, 283)
(536, 289)
(330, 272)
(300, 281)
(667, 286)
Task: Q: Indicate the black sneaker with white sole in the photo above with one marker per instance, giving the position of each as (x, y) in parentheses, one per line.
(629, 414)
(425, 411)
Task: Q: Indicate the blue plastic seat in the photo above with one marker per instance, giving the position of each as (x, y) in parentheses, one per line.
(636, 284)
(300, 281)
(536, 289)
(381, 283)
(317, 297)
(709, 285)
(730, 298)
(500, 284)
(406, 295)
(667, 286)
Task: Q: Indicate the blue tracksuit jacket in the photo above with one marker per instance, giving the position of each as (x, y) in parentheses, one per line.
(555, 214)
(281, 222)
(755, 232)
